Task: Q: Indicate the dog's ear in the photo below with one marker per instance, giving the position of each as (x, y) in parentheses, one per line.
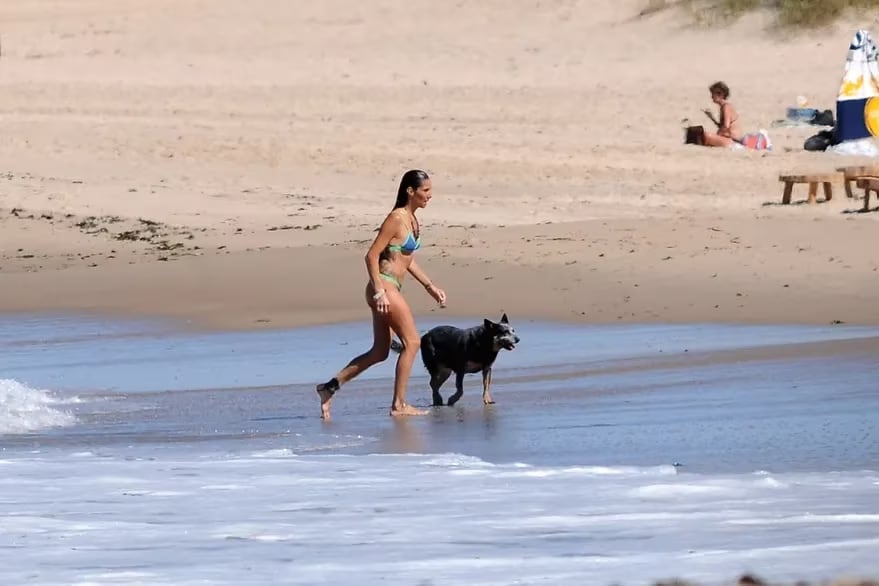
(488, 324)
(504, 319)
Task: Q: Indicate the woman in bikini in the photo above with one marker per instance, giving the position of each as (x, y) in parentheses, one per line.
(728, 130)
(389, 258)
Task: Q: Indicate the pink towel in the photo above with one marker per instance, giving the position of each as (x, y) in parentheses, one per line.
(758, 141)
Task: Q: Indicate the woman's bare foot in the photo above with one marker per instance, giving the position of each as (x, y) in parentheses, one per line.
(326, 391)
(405, 409)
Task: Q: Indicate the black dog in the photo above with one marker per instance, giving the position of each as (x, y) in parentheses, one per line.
(448, 349)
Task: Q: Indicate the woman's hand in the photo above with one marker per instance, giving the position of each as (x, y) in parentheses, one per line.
(436, 293)
(711, 117)
(382, 305)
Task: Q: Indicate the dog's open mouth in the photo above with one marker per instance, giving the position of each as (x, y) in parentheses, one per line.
(507, 344)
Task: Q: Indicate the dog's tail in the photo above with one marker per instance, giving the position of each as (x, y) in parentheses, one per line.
(397, 345)
(427, 351)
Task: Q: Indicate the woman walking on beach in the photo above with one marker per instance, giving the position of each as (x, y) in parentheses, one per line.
(388, 259)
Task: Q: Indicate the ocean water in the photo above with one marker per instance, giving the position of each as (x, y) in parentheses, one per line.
(135, 453)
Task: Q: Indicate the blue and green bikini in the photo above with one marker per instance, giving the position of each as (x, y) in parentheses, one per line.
(409, 246)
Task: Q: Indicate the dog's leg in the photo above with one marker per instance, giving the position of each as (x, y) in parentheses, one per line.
(486, 384)
(436, 381)
(459, 385)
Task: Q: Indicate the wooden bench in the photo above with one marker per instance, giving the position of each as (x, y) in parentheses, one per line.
(826, 179)
(853, 173)
(868, 184)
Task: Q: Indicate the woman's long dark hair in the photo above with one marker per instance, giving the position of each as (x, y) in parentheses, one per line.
(413, 178)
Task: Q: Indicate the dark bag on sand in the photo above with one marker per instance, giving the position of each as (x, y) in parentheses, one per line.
(824, 118)
(819, 142)
(695, 135)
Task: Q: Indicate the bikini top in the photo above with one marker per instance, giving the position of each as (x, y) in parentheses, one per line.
(409, 245)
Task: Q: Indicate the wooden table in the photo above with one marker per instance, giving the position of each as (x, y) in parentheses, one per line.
(826, 179)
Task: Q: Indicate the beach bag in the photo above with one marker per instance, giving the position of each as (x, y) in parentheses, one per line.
(694, 135)
(758, 141)
(824, 118)
(819, 142)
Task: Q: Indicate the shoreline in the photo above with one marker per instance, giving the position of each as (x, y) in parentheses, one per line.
(564, 272)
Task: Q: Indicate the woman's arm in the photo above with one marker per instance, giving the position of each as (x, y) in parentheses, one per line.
(419, 275)
(711, 117)
(728, 117)
(422, 278)
(388, 228)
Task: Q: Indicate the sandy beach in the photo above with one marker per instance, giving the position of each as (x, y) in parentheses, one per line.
(227, 163)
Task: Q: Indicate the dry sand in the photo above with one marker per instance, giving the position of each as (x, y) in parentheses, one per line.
(227, 163)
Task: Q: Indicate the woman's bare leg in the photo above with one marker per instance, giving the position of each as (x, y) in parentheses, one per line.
(402, 322)
(381, 347)
(716, 140)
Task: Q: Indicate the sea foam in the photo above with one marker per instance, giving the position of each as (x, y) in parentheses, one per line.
(25, 409)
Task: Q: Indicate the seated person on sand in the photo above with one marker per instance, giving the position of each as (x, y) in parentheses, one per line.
(728, 130)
